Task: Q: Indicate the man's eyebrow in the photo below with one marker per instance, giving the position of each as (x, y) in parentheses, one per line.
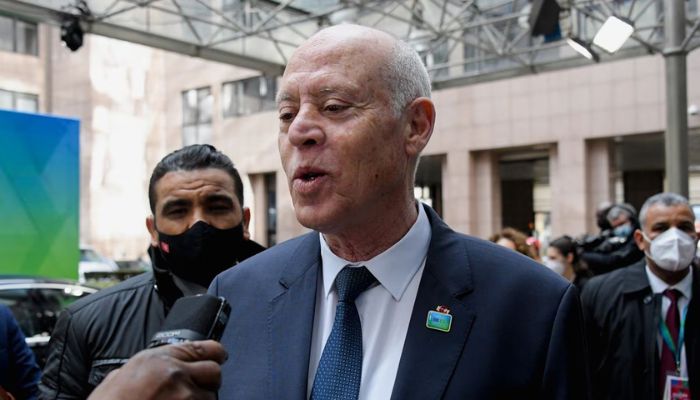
(660, 224)
(175, 203)
(324, 91)
(218, 197)
(283, 96)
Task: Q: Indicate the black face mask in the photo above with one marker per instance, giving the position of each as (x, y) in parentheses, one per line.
(201, 252)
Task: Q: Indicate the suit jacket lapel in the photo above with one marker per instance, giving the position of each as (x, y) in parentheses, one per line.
(291, 320)
(430, 356)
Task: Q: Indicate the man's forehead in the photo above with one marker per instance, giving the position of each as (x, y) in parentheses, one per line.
(360, 34)
(661, 212)
(343, 45)
(322, 71)
(210, 179)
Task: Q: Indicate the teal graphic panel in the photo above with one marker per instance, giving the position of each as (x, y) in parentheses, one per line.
(39, 195)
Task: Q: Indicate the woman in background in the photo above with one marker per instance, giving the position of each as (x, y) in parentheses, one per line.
(562, 258)
(514, 240)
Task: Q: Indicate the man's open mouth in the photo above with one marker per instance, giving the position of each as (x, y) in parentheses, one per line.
(310, 176)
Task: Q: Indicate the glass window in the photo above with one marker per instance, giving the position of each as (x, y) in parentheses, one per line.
(18, 36)
(271, 197)
(189, 107)
(205, 103)
(268, 91)
(439, 55)
(19, 101)
(248, 96)
(204, 133)
(7, 36)
(197, 105)
(89, 255)
(26, 102)
(26, 37)
(37, 309)
(6, 100)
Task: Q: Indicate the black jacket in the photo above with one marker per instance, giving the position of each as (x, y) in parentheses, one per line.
(622, 316)
(611, 254)
(98, 333)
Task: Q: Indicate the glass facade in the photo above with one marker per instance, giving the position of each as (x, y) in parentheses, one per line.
(18, 36)
(25, 102)
(248, 96)
(197, 116)
(271, 198)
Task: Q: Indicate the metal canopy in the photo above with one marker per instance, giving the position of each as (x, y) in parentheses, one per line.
(461, 41)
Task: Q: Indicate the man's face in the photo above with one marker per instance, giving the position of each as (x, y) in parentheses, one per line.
(342, 147)
(185, 197)
(620, 220)
(660, 218)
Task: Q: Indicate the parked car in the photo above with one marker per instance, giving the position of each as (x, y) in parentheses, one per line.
(91, 261)
(36, 304)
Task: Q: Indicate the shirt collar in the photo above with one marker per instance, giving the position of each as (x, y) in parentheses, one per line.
(685, 286)
(394, 268)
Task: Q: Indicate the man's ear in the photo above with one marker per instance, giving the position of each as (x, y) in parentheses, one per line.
(421, 119)
(151, 226)
(246, 222)
(639, 239)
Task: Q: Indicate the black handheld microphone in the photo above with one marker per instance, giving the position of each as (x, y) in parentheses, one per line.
(191, 318)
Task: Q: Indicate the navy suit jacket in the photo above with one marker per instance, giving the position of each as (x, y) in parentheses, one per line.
(19, 373)
(517, 330)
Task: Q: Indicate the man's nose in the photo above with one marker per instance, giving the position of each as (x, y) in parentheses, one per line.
(305, 130)
(197, 215)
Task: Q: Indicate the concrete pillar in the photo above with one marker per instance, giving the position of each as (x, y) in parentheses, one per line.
(568, 185)
(599, 181)
(485, 187)
(456, 193)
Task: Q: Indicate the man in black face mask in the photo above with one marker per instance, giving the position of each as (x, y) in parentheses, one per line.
(198, 228)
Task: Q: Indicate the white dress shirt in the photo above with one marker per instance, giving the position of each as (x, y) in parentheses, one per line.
(685, 286)
(385, 308)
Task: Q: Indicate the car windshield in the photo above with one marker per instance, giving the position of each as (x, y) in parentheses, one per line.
(89, 255)
(36, 309)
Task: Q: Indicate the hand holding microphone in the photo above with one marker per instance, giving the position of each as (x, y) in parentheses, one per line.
(189, 370)
(192, 318)
(182, 361)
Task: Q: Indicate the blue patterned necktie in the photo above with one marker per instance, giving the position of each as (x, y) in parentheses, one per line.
(340, 369)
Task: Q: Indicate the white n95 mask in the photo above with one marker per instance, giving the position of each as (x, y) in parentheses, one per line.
(673, 250)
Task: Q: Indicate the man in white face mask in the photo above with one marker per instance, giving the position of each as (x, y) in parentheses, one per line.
(643, 324)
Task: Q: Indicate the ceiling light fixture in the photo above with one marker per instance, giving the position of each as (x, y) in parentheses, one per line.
(613, 34)
(582, 48)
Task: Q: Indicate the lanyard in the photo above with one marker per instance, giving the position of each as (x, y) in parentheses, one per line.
(668, 339)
